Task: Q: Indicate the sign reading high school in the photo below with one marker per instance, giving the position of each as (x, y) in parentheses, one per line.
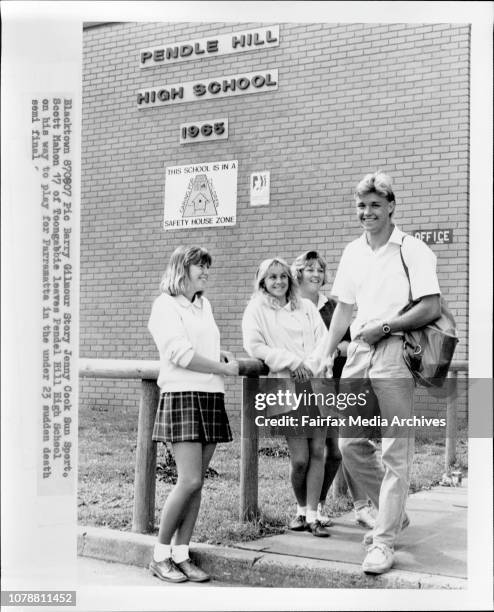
(201, 195)
(216, 87)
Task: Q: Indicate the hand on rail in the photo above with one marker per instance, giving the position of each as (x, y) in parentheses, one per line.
(327, 368)
(301, 374)
(230, 368)
(226, 356)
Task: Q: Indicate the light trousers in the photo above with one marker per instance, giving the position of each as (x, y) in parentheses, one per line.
(384, 482)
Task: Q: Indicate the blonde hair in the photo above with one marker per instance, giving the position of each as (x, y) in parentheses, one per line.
(303, 260)
(376, 182)
(261, 274)
(176, 275)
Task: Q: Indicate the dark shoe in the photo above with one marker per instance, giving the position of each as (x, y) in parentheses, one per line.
(298, 523)
(325, 520)
(167, 570)
(318, 530)
(193, 573)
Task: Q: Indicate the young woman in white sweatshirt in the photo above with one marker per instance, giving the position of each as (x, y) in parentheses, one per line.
(282, 329)
(191, 415)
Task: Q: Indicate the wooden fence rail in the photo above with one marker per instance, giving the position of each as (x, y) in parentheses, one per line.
(145, 471)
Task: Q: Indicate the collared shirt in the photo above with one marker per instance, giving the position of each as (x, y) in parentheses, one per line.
(376, 281)
(321, 300)
(180, 329)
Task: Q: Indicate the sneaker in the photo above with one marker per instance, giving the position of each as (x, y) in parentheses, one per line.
(369, 536)
(379, 559)
(365, 517)
(317, 530)
(321, 517)
(298, 523)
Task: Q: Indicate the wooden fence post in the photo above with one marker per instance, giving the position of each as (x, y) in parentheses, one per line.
(451, 422)
(145, 473)
(249, 468)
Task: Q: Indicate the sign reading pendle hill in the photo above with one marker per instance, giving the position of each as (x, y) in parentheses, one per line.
(236, 42)
(216, 87)
(201, 195)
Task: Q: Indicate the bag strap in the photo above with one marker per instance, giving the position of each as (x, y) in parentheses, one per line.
(406, 270)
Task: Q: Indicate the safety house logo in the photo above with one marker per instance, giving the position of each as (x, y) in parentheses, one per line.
(200, 199)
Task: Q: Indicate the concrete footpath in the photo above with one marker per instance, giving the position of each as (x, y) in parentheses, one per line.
(430, 553)
(95, 573)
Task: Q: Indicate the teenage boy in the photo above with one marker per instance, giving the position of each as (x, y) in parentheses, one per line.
(371, 277)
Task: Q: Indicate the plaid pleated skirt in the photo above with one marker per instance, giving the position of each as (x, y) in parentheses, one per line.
(192, 416)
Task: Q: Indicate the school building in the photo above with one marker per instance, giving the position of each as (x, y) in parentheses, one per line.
(248, 139)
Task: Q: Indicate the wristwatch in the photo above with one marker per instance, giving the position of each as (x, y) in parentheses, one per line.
(386, 329)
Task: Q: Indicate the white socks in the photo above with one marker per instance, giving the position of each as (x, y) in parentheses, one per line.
(180, 553)
(320, 512)
(164, 551)
(311, 516)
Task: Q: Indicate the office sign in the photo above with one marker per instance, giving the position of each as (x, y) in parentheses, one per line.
(434, 236)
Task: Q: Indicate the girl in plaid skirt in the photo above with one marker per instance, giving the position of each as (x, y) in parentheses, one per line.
(191, 415)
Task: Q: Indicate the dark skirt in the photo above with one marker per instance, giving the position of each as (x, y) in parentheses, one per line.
(192, 416)
(310, 410)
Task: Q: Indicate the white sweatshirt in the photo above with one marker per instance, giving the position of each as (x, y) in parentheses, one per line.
(181, 328)
(281, 337)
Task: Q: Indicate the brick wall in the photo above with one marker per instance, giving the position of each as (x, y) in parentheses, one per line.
(352, 98)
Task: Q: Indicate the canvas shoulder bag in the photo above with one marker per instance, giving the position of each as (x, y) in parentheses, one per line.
(428, 351)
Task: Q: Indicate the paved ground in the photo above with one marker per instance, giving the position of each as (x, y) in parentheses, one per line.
(94, 572)
(430, 553)
(435, 542)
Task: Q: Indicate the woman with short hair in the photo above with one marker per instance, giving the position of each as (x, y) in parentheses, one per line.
(309, 269)
(191, 414)
(282, 329)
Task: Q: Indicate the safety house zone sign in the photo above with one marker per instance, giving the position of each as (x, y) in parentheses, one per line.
(201, 195)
